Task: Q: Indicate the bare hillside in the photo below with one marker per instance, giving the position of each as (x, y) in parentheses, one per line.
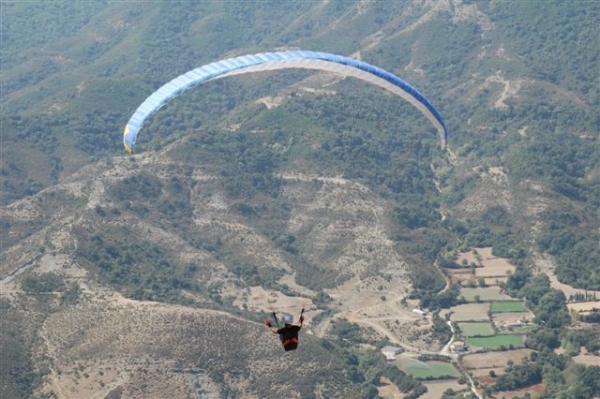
(101, 343)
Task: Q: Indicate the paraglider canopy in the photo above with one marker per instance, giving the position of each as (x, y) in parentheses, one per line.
(281, 60)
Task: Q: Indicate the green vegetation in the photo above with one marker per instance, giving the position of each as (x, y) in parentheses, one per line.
(577, 253)
(428, 370)
(43, 283)
(441, 330)
(143, 270)
(549, 305)
(574, 340)
(507, 306)
(551, 314)
(349, 334)
(373, 366)
(497, 342)
(443, 300)
(519, 376)
(562, 378)
(18, 377)
(70, 296)
(592, 317)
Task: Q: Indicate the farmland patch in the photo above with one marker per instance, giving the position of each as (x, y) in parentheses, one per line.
(436, 389)
(468, 312)
(483, 294)
(512, 319)
(497, 341)
(507, 306)
(485, 371)
(495, 359)
(476, 329)
(427, 369)
(534, 391)
(586, 358)
(495, 267)
(584, 306)
(524, 329)
(494, 280)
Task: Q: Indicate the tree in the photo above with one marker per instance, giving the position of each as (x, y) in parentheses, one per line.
(517, 280)
(519, 376)
(543, 338)
(552, 309)
(535, 288)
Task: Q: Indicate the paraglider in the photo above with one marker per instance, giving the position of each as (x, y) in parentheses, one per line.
(281, 60)
(288, 334)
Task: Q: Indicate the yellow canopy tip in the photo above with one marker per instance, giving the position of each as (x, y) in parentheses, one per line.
(125, 134)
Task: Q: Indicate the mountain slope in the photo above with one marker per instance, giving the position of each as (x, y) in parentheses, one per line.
(277, 191)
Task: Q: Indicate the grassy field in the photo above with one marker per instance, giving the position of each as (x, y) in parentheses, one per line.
(484, 294)
(468, 312)
(508, 306)
(476, 329)
(429, 369)
(496, 341)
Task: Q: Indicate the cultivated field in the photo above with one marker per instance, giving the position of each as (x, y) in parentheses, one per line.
(484, 294)
(497, 341)
(428, 369)
(584, 306)
(494, 359)
(484, 372)
(526, 329)
(468, 312)
(476, 329)
(587, 359)
(495, 267)
(503, 318)
(480, 263)
(495, 280)
(508, 306)
(534, 391)
(436, 389)
(459, 275)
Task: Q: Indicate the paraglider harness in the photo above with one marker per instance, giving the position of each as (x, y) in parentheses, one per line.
(287, 335)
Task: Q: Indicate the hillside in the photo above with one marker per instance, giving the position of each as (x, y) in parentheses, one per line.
(78, 262)
(147, 275)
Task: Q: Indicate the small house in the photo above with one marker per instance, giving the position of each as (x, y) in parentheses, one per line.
(419, 312)
(390, 352)
(513, 323)
(458, 346)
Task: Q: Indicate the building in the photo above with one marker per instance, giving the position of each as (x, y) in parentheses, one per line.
(390, 352)
(512, 323)
(458, 346)
(419, 312)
